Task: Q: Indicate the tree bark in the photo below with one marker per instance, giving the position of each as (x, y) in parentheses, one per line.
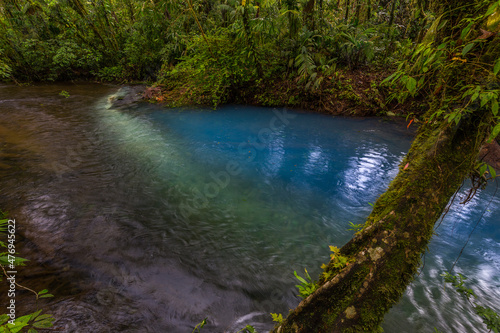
(308, 12)
(369, 10)
(393, 9)
(385, 255)
(347, 5)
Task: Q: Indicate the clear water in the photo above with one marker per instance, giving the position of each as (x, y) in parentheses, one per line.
(146, 219)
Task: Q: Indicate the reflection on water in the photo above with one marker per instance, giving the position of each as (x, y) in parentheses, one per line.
(150, 219)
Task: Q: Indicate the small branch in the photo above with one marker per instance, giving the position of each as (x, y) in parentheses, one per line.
(190, 3)
(17, 284)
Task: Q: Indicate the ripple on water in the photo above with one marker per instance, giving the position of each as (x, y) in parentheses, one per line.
(137, 209)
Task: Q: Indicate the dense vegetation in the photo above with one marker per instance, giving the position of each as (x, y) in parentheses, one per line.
(269, 52)
(51, 40)
(319, 54)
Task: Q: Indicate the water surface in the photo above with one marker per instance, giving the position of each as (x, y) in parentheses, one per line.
(145, 219)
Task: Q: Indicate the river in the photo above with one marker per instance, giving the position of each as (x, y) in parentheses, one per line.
(146, 219)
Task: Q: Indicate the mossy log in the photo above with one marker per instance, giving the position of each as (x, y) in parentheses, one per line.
(384, 257)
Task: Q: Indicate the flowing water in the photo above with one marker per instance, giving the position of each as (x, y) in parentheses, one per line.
(145, 219)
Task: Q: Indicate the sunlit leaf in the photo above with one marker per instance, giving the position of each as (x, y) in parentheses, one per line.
(250, 329)
(492, 9)
(3, 318)
(411, 85)
(496, 68)
(494, 106)
(495, 131)
(492, 171)
(482, 169)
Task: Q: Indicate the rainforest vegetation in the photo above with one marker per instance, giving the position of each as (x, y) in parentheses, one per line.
(435, 61)
(319, 54)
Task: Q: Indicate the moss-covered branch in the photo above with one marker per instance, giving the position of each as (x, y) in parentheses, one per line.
(385, 255)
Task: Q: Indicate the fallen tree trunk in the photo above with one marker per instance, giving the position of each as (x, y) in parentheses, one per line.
(383, 257)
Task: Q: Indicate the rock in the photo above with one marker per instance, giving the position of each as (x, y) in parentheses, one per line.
(126, 97)
(490, 153)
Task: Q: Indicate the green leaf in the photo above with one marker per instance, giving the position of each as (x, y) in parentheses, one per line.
(43, 317)
(43, 324)
(3, 318)
(442, 46)
(494, 106)
(492, 171)
(277, 317)
(200, 325)
(484, 99)
(495, 131)
(46, 296)
(466, 30)
(299, 277)
(250, 329)
(35, 315)
(307, 274)
(474, 96)
(19, 324)
(467, 48)
(482, 169)
(492, 9)
(451, 116)
(411, 85)
(496, 68)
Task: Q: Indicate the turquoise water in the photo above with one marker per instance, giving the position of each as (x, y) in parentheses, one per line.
(161, 217)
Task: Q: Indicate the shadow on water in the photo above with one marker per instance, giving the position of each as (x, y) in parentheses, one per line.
(145, 219)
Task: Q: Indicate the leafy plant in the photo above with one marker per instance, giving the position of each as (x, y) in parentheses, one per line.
(248, 328)
(357, 46)
(34, 320)
(64, 93)
(490, 318)
(306, 287)
(277, 317)
(5, 70)
(198, 327)
(337, 262)
(356, 227)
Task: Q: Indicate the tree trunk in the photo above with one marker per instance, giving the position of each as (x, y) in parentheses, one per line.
(347, 5)
(393, 9)
(293, 21)
(308, 13)
(385, 255)
(357, 12)
(369, 10)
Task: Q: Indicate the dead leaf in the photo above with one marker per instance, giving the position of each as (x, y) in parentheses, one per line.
(485, 34)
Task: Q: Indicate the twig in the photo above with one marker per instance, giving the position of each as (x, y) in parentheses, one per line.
(17, 284)
(478, 220)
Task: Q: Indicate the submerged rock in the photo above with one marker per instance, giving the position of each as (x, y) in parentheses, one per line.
(126, 97)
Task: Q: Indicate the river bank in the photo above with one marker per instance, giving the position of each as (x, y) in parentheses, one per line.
(346, 93)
